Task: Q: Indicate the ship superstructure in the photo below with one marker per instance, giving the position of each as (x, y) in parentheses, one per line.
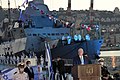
(28, 34)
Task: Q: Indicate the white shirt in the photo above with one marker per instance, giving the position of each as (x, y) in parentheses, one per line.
(23, 76)
(82, 59)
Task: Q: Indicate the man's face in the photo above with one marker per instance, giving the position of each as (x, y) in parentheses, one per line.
(21, 69)
(102, 63)
(29, 63)
(58, 58)
(80, 52)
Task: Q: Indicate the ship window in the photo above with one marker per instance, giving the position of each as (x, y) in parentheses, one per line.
(62, 33)
(53, 34)
(57, 33)
(48, 34)
(29, 34)
(34, 35)
(44, 33)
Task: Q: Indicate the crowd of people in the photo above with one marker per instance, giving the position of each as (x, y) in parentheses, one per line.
(80, 59)
(59, 68)
(26, 72)
(15, 59)
(67, 39)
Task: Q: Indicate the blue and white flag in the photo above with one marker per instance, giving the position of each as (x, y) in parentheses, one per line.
(8, 73)
(49, 57)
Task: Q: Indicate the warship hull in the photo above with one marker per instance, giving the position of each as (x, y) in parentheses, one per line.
(91, 48)
(14, 46)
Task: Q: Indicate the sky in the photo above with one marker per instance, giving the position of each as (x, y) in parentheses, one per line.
(75, 5)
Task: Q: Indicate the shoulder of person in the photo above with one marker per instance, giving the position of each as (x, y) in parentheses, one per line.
(15, 73)
(105, 67)
(26, 68)
(25, 73)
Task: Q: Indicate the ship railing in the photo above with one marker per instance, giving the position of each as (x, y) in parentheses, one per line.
(8, 61)
(68, 61)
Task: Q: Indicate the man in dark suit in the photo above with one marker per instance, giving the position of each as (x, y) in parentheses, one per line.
(29, 70)
(61, 68)
(81, 58)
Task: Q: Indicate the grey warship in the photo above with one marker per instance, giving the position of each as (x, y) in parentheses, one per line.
(36, 25)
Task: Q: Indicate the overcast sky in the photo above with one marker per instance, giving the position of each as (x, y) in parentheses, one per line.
(76, 4)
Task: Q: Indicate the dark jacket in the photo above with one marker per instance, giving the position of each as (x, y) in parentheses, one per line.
(105, 73)
(30, 72)
(54, 64)
(61, 66)
(77, 61)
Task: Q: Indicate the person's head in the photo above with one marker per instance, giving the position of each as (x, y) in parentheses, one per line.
(21, 67)
(58, 58)
(38, 69)
(80, 52)
(101, 61)
(28, 63)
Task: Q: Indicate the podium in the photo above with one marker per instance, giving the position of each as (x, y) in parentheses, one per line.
(87, 72)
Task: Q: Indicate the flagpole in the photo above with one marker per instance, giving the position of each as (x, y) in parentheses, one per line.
(48, 53)
(45, 58)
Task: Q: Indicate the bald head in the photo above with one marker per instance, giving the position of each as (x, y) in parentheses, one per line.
(80, 51)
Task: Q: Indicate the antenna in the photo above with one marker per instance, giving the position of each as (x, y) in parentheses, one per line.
(91, 12)
(69, 7)
(9, 16)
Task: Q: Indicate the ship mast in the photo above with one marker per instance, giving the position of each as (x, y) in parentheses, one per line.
(9, 16)
(91, 12)
(69, 8)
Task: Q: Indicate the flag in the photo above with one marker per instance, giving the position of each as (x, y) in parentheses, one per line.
(48, 55)
(8, 73)
(20, 14)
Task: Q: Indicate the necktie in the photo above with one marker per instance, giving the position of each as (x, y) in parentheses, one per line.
(82, 60)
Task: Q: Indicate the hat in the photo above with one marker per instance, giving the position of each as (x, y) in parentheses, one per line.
(28, 61)
(21, 65)
(101, 60)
